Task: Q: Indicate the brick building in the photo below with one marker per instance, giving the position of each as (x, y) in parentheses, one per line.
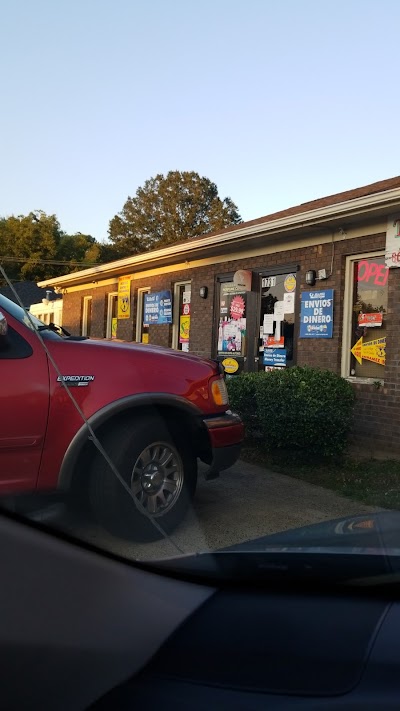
(308, 285)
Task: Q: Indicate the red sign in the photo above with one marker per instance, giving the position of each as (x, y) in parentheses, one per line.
(186, 309)
(272, 342)
(370, 320)
(237, 307)
(372, 272)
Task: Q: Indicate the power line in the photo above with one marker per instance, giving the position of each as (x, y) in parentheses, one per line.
(54, 262)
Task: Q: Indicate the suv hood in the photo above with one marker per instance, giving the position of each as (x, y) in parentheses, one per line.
(142, 349)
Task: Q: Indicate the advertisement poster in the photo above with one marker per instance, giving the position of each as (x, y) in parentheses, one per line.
(316, 316)
(184, 319)
(232, 321)
(279, 311)
(184, 329)
(114, 324)
(288, 302)
(274, 342)
(370, 320)
(230, 365)
(268, 324)
(124, 297)
(290, 283)
(157, 308)
(374, 351)
(275, 357)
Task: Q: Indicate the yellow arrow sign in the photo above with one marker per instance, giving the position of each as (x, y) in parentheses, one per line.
(356, 350)
(375, 350)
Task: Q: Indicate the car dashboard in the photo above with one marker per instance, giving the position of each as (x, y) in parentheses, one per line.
(81, 629)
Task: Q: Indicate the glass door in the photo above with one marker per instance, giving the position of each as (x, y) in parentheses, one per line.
(232, 326)
(276, 323)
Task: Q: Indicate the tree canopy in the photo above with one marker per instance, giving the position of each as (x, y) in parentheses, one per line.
(31, 245)
(168, 209)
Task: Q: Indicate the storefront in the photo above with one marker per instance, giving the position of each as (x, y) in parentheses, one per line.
(316, 284)
(256, 318)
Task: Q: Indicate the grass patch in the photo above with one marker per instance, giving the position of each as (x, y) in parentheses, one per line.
(371, 481)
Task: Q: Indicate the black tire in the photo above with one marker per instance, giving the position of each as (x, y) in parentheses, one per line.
(170, 484)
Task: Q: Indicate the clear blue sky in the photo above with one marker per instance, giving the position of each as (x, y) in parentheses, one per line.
(278, 102)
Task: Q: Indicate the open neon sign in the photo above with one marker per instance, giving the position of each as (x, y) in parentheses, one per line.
(372, 273)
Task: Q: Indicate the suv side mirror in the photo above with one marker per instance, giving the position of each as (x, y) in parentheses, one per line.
(3, 325)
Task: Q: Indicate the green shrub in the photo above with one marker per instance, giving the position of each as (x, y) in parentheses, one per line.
(242, 398)
(296, 408)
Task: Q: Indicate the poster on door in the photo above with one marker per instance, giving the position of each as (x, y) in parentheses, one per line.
(184, 329)
(232, 321)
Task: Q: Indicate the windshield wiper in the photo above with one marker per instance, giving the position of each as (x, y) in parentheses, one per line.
(330, 566)
(54, 327)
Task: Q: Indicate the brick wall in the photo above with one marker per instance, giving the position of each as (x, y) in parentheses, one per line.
(72, 311)
(377, 415)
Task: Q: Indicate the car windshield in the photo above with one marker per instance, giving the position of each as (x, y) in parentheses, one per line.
(199, 279)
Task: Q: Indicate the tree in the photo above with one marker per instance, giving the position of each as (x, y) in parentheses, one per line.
(168, 209)
(78, 248)
(33, 247)
(28, 240)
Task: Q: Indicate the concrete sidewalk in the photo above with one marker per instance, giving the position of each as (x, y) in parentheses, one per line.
(247, 501)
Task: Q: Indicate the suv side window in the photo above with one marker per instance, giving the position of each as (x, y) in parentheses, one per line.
(14, 346)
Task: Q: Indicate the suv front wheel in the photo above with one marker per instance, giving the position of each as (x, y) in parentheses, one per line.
(160, 471)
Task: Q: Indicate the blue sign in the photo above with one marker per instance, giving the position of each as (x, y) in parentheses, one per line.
(316, 316)
(274, 356)
(157, 308)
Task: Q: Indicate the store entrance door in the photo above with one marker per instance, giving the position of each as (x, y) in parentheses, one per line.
(275, 337)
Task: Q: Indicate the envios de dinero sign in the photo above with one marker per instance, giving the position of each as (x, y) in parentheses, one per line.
(316, 315)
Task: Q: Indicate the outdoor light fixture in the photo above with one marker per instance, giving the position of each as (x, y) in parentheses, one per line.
(311, 276)
(203, 292)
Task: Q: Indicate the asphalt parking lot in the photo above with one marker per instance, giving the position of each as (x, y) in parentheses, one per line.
(246, 501)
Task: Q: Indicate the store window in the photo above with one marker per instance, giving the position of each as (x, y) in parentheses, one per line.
(142, 328)
(86, 315)
(112, 319)
(181, 316)
(232, 321)
(364, 345)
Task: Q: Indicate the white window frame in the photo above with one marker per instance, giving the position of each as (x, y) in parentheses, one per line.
(110, 297)
(85, 311)
(175, 317)
(139, 311)
(348, 316)
(48, 312)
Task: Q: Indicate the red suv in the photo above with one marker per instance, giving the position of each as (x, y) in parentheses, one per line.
(119, 425)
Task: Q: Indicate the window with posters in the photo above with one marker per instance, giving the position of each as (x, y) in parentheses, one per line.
(112, 315)
(368, 297)
(142, 328)
(181, 319)
(232, 320)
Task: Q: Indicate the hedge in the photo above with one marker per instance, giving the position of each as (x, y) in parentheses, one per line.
(297, 408)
